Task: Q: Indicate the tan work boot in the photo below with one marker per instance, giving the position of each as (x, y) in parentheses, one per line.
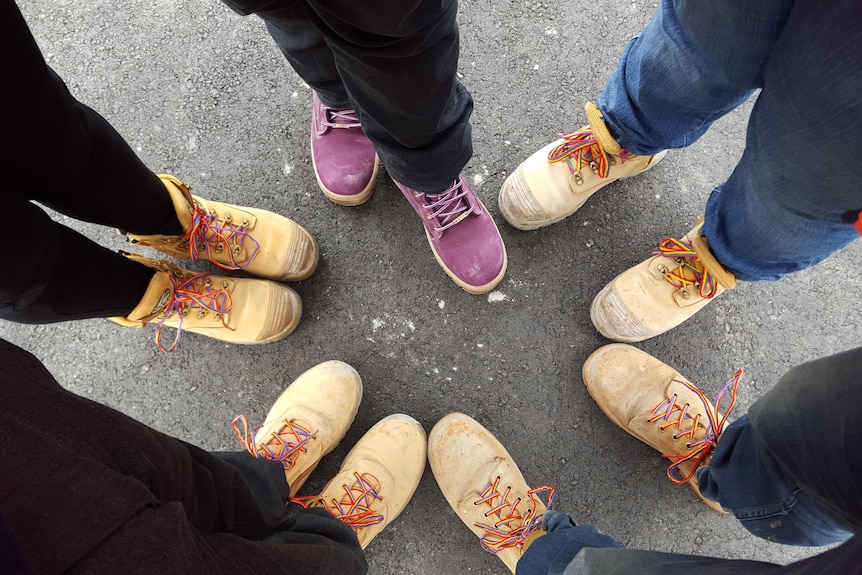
(554, 182)
(377, 478)
(661, 292)
(484, 486)
(657, 405)
(307, 421)
(234, 237)
(235, 310)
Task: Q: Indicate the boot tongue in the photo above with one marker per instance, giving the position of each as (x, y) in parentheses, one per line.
(156, 299)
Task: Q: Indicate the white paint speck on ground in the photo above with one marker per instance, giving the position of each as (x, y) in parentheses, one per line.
(411, 326)
(294, 95)
(497, 296)
(480, 345)
(377, 324)
(551, 31)
(478, 179)
(441, 304)
(287, 169)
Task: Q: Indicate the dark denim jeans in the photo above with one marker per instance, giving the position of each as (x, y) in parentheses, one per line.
(788, 470)
(394, 61)
(781, 209)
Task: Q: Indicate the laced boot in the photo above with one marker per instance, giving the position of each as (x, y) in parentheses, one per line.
(661, 292)
(557, 180)
(345, 162)
(654, 403)
(484, 486)
(462, 235)
(235, 237)
(306, 422)
(235, 310)
(377, 478)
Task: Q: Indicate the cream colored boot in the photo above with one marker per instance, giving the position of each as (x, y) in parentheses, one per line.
(661, 292)
(235, 310)
(554, 182)
(657, 405)
(377, 478)
(234, 237)
(307, 421)
(484, 486)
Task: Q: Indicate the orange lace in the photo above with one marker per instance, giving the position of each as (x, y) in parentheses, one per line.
(690, 271)
(678, 416)
(354, 509)
(278, 447)
(510, 527)
(195, 291)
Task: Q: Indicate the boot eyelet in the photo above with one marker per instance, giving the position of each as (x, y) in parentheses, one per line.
(662, 270)
(225, 285)
(579, 180)
(684, 294)
(237, 250)
(245, 221)
(227, 217)
(219, 247)
(680, 261)
(202, 314)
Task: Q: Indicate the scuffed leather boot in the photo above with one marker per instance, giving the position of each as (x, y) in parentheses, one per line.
(235, 310)
(555, 181)
(307, 421)
(653, 402)
(484, 486)
(234, 237)
(377, 478)
(661, 292)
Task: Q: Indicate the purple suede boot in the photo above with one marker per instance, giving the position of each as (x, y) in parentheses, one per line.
(345, 162)
(462, 234)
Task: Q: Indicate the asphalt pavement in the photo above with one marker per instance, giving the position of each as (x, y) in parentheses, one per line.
(204, 94)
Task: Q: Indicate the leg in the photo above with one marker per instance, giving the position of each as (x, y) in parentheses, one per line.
(787, 478)
(397, 64)
(113, 482)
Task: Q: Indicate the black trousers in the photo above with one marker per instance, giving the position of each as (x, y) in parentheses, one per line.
(62, 154)
(395, 62)
(86, 489)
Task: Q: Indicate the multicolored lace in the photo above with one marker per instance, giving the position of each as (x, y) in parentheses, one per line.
(212, 235)
(285, 446)
(193, 292)
(449, 207)
(579, 149)
(354, 509)
(510, 527)
(691, 270)
(674, 415)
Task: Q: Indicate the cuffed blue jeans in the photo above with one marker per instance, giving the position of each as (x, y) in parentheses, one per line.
(788, 470)
(784, 207)
(394, 61)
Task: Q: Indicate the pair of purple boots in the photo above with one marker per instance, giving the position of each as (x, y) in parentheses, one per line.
(463, 236)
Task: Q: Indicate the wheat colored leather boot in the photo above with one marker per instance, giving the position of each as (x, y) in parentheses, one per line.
(235, 310)
(485, 488)
(306, 422)
(558, 179)
(654, 403)
(234, 237)
(377, 478)
(661, 292)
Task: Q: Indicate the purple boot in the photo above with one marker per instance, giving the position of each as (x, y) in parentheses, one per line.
(345, 162)
(462, 235)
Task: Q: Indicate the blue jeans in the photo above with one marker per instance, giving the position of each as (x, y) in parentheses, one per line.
(785, 206)
(788, 470)
(395, 62)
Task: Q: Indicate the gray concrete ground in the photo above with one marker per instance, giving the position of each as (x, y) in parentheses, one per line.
(204, 94)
